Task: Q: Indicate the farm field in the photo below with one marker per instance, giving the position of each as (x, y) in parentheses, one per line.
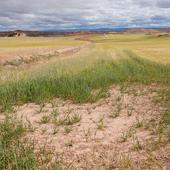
(148, 46)
(13, 48)
(85, 102)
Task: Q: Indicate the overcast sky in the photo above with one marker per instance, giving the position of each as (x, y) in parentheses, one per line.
(64, 14)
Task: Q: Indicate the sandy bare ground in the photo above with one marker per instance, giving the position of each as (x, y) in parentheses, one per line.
(110, 134)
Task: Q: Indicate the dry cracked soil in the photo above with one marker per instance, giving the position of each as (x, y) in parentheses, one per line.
(115, 132)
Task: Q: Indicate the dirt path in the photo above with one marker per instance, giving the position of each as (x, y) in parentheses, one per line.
(109, 134)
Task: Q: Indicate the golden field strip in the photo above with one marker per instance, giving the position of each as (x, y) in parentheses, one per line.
(149, 46)
(13, 48)
(98, 102)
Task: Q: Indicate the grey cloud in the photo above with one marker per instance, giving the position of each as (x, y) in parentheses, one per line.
(153, 3)
(145, 3)
(59, 14)
(163, 4)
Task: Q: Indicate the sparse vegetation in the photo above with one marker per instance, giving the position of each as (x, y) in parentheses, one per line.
(67, 130)
(55, 130)
(125, 162)
(139, 123)
(16, 152)
(166, 118)
(41, 108)
(45, 119)
(136, 143)
(114, 114)
(100, 124)
(105, 71)
(68, 119)
(124, 137)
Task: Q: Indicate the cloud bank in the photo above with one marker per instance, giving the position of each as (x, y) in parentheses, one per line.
(77, 14)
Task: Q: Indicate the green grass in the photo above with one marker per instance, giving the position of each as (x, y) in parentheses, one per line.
(16, 153)
(13, 153)
(166, 118)
(163, 97)
(79, 84)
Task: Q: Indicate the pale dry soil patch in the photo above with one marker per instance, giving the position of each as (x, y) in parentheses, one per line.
(27, 54)
(112, 133)
(11, 54)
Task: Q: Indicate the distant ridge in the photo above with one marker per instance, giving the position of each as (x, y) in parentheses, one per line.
(143, 30)
(18, 33)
